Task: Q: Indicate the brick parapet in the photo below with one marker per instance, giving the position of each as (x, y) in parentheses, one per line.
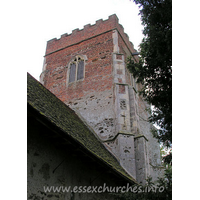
(89, 31)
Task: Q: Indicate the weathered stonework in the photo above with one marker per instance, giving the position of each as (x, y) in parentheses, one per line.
(98, 111)
(106, 98)
(61, 166)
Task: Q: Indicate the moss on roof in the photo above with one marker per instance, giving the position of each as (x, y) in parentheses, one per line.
(58, 113)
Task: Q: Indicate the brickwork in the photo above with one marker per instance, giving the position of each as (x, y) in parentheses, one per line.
(89, 31)
(104, 96)
(96, 42)
(122, 89)
(98, 68)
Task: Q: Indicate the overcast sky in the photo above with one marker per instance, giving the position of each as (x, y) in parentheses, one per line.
(42, 20)
(26, 26)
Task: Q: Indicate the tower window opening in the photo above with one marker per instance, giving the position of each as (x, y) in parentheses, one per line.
(76, 69)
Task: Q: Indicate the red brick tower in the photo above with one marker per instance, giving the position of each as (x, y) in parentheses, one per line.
(86, 70)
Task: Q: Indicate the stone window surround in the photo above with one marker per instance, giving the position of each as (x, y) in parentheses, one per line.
(75, 59)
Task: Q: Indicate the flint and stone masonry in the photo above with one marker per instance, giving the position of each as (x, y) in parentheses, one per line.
(87, 71)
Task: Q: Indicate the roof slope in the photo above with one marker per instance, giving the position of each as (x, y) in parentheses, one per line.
(59, 114)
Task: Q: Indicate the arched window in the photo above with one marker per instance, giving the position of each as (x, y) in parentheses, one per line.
(76, 69)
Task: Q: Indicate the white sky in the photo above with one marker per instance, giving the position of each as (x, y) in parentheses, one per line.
(42, 20)
(26, 26)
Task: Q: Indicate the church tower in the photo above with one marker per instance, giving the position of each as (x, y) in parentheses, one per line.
(86, 70)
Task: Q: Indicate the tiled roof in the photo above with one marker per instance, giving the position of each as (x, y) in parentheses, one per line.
(64, 118)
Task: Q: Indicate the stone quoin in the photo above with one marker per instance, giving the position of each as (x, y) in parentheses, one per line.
(87, 71)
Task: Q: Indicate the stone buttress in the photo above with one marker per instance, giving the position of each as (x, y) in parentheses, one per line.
(103, 92)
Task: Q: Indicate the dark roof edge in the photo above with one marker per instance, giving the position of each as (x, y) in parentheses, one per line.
(87, 151)
(35, 104)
